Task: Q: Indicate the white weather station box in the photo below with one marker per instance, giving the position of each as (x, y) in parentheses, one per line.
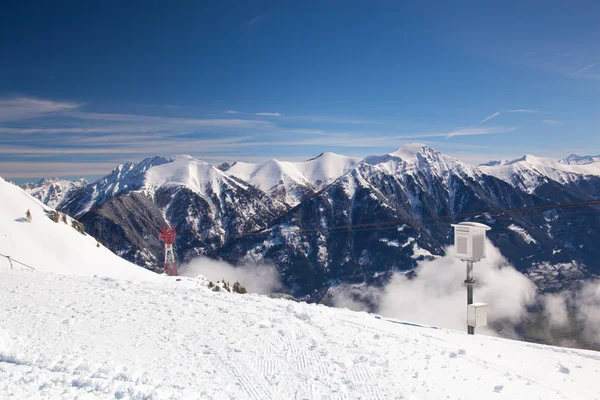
(469, 238)
(477, 314)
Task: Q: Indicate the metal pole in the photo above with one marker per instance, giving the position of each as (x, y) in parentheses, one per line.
(469, 282)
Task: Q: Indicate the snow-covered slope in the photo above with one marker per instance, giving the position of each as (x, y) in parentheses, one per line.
(529, 172)
(127, 208)
(416, 158)
(393, 202)
(52, 191)
(73, 337)
(199, 176)
(292, 182)
(53, 246)
(574, 159)
(125, 178)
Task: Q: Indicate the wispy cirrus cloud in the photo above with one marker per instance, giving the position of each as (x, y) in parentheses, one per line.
(372, 139)
(256, 20)
(28, 107)
(480, 131)
(28, 169)
(268, 114)
(494, 115)
(521, 110)
(583, 69)
(551, 122)
(231, 112)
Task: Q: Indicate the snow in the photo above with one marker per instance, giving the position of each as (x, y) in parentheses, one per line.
(409, 151)
(311, 175)
(420, 252)
(523, 233)
(327, 167)
(186, 171)
(86, 324)
(389, 242)
(52, 191)
(415, 158)
(54, 246)
(574, 159)
(528, 172)
(70, 336)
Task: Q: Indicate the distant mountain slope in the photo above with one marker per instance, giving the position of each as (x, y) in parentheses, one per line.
(530, 172)
(293, 182)
(52, 191)
(574, 159)
(314, 246)
(334, 233)
(54, 246)
(127, 208)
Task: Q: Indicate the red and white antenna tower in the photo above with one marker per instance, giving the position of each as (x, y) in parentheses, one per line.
(167, 235)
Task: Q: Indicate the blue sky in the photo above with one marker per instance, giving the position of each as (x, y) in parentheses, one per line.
(86, 85)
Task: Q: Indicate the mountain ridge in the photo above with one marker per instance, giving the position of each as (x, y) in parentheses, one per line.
(221, 215)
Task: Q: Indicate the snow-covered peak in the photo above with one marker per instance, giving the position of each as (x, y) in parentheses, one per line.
(294, 181)
(327, 167)
(410, 151)
(129, 174)
(52, 191)
(528, 172)
(574, 159)
(183, 171)
(42, 182)
(413, 158)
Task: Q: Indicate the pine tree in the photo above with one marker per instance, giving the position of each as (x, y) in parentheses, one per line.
(64, 218)
(55, 216)
(78, 226)
(28, 215)
(238, 288)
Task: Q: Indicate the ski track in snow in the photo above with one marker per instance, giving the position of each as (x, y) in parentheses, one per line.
(73, 336)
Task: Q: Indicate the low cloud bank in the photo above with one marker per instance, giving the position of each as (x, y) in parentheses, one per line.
(584, 306)
(436, 296)
(257, 278)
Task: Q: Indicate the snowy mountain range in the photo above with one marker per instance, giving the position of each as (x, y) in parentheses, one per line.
(530, 172)
(52, 191)
(293, 182)
(335, 219)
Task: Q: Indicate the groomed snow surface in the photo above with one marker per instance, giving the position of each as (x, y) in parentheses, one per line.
(70, 336)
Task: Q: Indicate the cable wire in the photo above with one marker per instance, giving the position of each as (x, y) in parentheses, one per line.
(10, 260)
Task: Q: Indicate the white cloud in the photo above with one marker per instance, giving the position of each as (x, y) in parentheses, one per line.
(494, 115)
(520, 110)
(437, 295)
(551, 121)
(28, 108)
(268, 114)
(231, 112)
(582, 304)
(583, 69)
(27, 169)
(479, 131)
(257, 278)
(555, 306)
(587, 302)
